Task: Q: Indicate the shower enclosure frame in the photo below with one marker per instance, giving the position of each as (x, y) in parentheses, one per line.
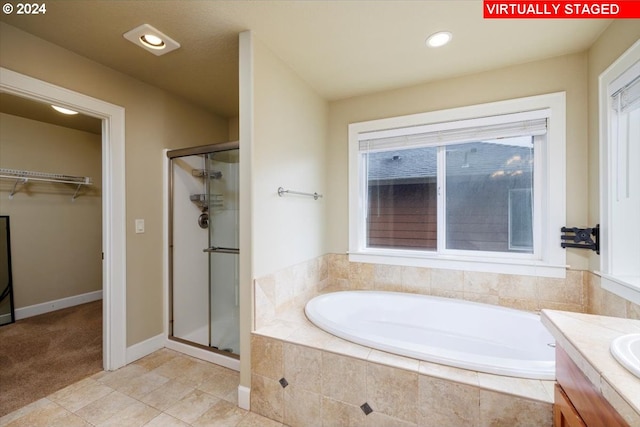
(172, 154)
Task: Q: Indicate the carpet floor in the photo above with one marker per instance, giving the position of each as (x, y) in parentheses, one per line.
(42, 354)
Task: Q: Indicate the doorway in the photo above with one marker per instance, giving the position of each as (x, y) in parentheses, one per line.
(113, 200)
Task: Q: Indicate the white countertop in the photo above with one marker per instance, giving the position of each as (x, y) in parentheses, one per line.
(586, 338)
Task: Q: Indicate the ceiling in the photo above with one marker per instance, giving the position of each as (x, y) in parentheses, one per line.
(341, 48)
(34, 110)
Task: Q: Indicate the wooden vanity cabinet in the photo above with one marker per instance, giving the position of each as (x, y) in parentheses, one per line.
(577, 402)
(564, 413)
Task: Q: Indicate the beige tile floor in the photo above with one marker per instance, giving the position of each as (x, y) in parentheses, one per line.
(164, 389)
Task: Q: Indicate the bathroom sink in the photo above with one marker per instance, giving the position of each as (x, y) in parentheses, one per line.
(626, 350)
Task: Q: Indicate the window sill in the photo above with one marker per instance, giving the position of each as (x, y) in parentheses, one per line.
(520, 267)
(627, 287)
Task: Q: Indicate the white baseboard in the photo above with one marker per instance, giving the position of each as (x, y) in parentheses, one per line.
(209, 356)
(145, 348)
(244, 397)
(46, 307)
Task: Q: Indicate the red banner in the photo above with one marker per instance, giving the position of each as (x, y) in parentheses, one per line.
(621, 9)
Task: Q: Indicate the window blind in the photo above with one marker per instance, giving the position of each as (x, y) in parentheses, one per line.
(452, 133)
(628, 97)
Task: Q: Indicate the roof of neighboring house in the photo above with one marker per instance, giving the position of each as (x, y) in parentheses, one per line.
(477, 158)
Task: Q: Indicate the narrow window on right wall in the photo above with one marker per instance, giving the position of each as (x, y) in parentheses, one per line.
(620, 175)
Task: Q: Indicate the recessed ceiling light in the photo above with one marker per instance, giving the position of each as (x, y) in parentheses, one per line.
(439, 39)
(64, 110)
(151, 40)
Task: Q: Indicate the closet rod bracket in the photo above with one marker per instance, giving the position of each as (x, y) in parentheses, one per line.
(75, 195)
(15, 186)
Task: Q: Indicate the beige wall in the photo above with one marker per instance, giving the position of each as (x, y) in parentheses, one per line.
(565, 73)
(56, 242)
(154, 120)
(618, 37)
(289, 151)
(282, 139)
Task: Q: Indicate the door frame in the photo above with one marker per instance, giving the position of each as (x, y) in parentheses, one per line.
(114, 330)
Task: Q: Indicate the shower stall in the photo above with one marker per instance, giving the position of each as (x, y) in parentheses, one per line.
(203, 247)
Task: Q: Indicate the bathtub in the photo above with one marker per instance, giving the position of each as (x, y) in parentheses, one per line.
(464, 334)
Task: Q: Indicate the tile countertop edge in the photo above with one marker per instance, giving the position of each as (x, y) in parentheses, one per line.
(586, 338)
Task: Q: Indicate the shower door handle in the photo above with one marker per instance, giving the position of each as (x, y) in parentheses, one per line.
(216, 249)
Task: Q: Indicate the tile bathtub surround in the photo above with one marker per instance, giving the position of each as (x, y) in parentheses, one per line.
(276, 293)
(329, 383)
(509, 290)
(329, 380)
(604, 303)
(163, 389)
(579, 292)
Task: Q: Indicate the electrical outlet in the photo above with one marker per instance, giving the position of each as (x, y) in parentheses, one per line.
(139, 226)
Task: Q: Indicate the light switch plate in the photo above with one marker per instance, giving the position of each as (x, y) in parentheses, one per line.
(139, 226)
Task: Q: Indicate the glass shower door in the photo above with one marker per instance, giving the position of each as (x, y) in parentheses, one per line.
(223, 194)
(189, 290)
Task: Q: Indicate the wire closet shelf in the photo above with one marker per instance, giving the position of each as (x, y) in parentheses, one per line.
(23, 177)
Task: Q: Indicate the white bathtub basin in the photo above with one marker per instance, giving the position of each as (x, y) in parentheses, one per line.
(463, 334)
(626, 350)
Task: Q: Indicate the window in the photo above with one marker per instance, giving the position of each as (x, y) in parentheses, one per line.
(468, 188)
(521, 219)
(620, 176)
(484, 190)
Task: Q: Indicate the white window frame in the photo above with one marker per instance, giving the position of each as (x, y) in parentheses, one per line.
(612, 234)
(548, 259)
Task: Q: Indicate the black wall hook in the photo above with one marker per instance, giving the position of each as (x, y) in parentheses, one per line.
(575, 237)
